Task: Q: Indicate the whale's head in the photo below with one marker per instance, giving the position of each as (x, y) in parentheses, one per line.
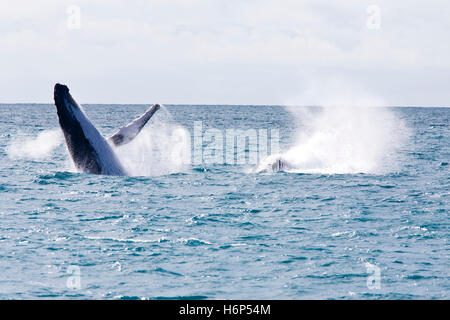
(69, 112)
(63, 100)
(60, 89)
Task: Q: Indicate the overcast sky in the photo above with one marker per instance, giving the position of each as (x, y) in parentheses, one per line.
(227, 52)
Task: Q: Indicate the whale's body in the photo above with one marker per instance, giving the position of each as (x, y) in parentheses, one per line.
(90, 151)
(273, 163)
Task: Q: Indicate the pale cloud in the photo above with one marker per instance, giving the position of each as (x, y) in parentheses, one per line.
(241, 52)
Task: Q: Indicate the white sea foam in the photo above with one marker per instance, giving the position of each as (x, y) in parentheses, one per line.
(34, 147)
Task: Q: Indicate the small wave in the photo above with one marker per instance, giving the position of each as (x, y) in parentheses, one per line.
(161, 270)
(55, 178)
(193, 242)
(125, 239)
(349, 234)
(60, 175)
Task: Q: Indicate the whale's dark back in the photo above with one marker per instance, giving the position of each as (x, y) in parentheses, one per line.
(89, 150)
(80, 148)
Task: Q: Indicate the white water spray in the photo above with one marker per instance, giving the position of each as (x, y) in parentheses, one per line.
(38, 147)
(162, 147)
(345, 136)
(347, 140)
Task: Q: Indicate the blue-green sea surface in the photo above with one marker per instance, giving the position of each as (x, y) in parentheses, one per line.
(211, 230)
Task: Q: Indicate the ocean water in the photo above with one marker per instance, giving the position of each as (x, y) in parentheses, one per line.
(363, 213)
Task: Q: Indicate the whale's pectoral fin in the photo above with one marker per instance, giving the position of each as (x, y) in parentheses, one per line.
(131, 130)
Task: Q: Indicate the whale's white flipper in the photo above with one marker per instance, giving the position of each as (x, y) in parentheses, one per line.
(131, 130)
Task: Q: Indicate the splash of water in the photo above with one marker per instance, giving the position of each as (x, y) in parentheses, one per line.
(38, 147)
(162, 147)
(348, 135)
(343, 139)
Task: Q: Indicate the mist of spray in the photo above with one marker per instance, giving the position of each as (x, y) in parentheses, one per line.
(349, 133)
(162, 147)
(37, 147)
(341, 139)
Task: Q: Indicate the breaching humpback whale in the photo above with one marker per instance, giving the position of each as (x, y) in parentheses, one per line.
(90, 151)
